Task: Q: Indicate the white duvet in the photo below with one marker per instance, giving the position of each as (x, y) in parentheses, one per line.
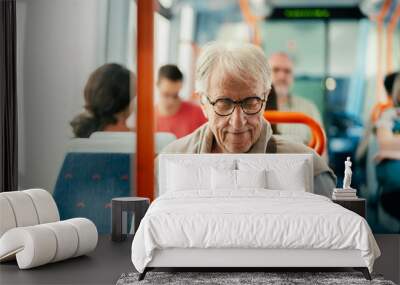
(253, 218)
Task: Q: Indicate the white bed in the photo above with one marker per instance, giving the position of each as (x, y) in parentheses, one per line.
(201, 225)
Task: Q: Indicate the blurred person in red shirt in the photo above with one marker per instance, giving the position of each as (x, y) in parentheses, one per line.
(174, 115)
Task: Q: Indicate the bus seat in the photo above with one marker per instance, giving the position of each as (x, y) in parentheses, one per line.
(94, 171)
(162, 139)
(113, 135)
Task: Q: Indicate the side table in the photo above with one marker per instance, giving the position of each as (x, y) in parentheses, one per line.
(357, 205)
(137, 205)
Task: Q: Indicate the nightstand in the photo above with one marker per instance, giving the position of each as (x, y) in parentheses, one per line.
(357, 205)
(136, 205)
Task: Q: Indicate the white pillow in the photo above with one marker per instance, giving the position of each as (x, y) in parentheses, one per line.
(294, 180)
(183, 177)
(292, 175)
(236, 179)
(189, 174)
(223, 179)
(251, 178)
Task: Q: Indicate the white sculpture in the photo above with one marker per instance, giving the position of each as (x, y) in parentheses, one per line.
(347, 174)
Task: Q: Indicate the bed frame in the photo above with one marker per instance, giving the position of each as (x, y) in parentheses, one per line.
(239, 260)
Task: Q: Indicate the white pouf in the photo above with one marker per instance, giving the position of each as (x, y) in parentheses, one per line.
(31, 233)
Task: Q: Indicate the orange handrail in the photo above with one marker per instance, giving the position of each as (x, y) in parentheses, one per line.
(379, 108)
(318, 139)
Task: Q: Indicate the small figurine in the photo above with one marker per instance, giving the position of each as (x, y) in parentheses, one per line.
(345, 193)
(347, 174)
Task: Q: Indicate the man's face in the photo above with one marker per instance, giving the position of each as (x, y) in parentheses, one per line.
(237, 132)
(282, 73)
(169, 92)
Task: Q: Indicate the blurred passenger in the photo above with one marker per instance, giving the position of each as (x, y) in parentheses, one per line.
(282, 79)
(370, 125)
(174, 115)
(107, 99)
(388, 125)
(388, 168)
(388, 82)
(234, 82)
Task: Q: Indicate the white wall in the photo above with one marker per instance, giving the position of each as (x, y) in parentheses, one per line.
(59, 43)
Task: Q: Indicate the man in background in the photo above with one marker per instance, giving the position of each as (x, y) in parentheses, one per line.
(282, 80)
(174, 115)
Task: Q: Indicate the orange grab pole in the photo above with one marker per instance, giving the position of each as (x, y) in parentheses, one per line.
(390, 31)
(251, 20)
(379, 18)
(318, 134)
(145, 118)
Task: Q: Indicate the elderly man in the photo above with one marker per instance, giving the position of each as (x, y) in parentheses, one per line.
(233, 82)
(282, 79)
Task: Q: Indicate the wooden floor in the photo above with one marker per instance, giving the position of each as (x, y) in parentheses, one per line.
(110, 260)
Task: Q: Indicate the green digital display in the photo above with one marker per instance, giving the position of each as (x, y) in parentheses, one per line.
(313, 13)
(306, 13)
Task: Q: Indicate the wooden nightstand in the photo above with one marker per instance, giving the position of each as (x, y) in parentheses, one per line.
(357, 205)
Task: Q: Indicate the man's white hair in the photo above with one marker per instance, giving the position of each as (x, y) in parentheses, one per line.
(243, 61)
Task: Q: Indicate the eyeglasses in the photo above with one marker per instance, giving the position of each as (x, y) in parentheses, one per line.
(226, 106)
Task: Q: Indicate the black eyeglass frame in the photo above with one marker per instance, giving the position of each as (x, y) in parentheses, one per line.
(238, 102)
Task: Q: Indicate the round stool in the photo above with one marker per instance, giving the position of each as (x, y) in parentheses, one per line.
(136, 205)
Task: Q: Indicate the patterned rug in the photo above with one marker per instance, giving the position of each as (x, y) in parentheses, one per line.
(230, 278)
